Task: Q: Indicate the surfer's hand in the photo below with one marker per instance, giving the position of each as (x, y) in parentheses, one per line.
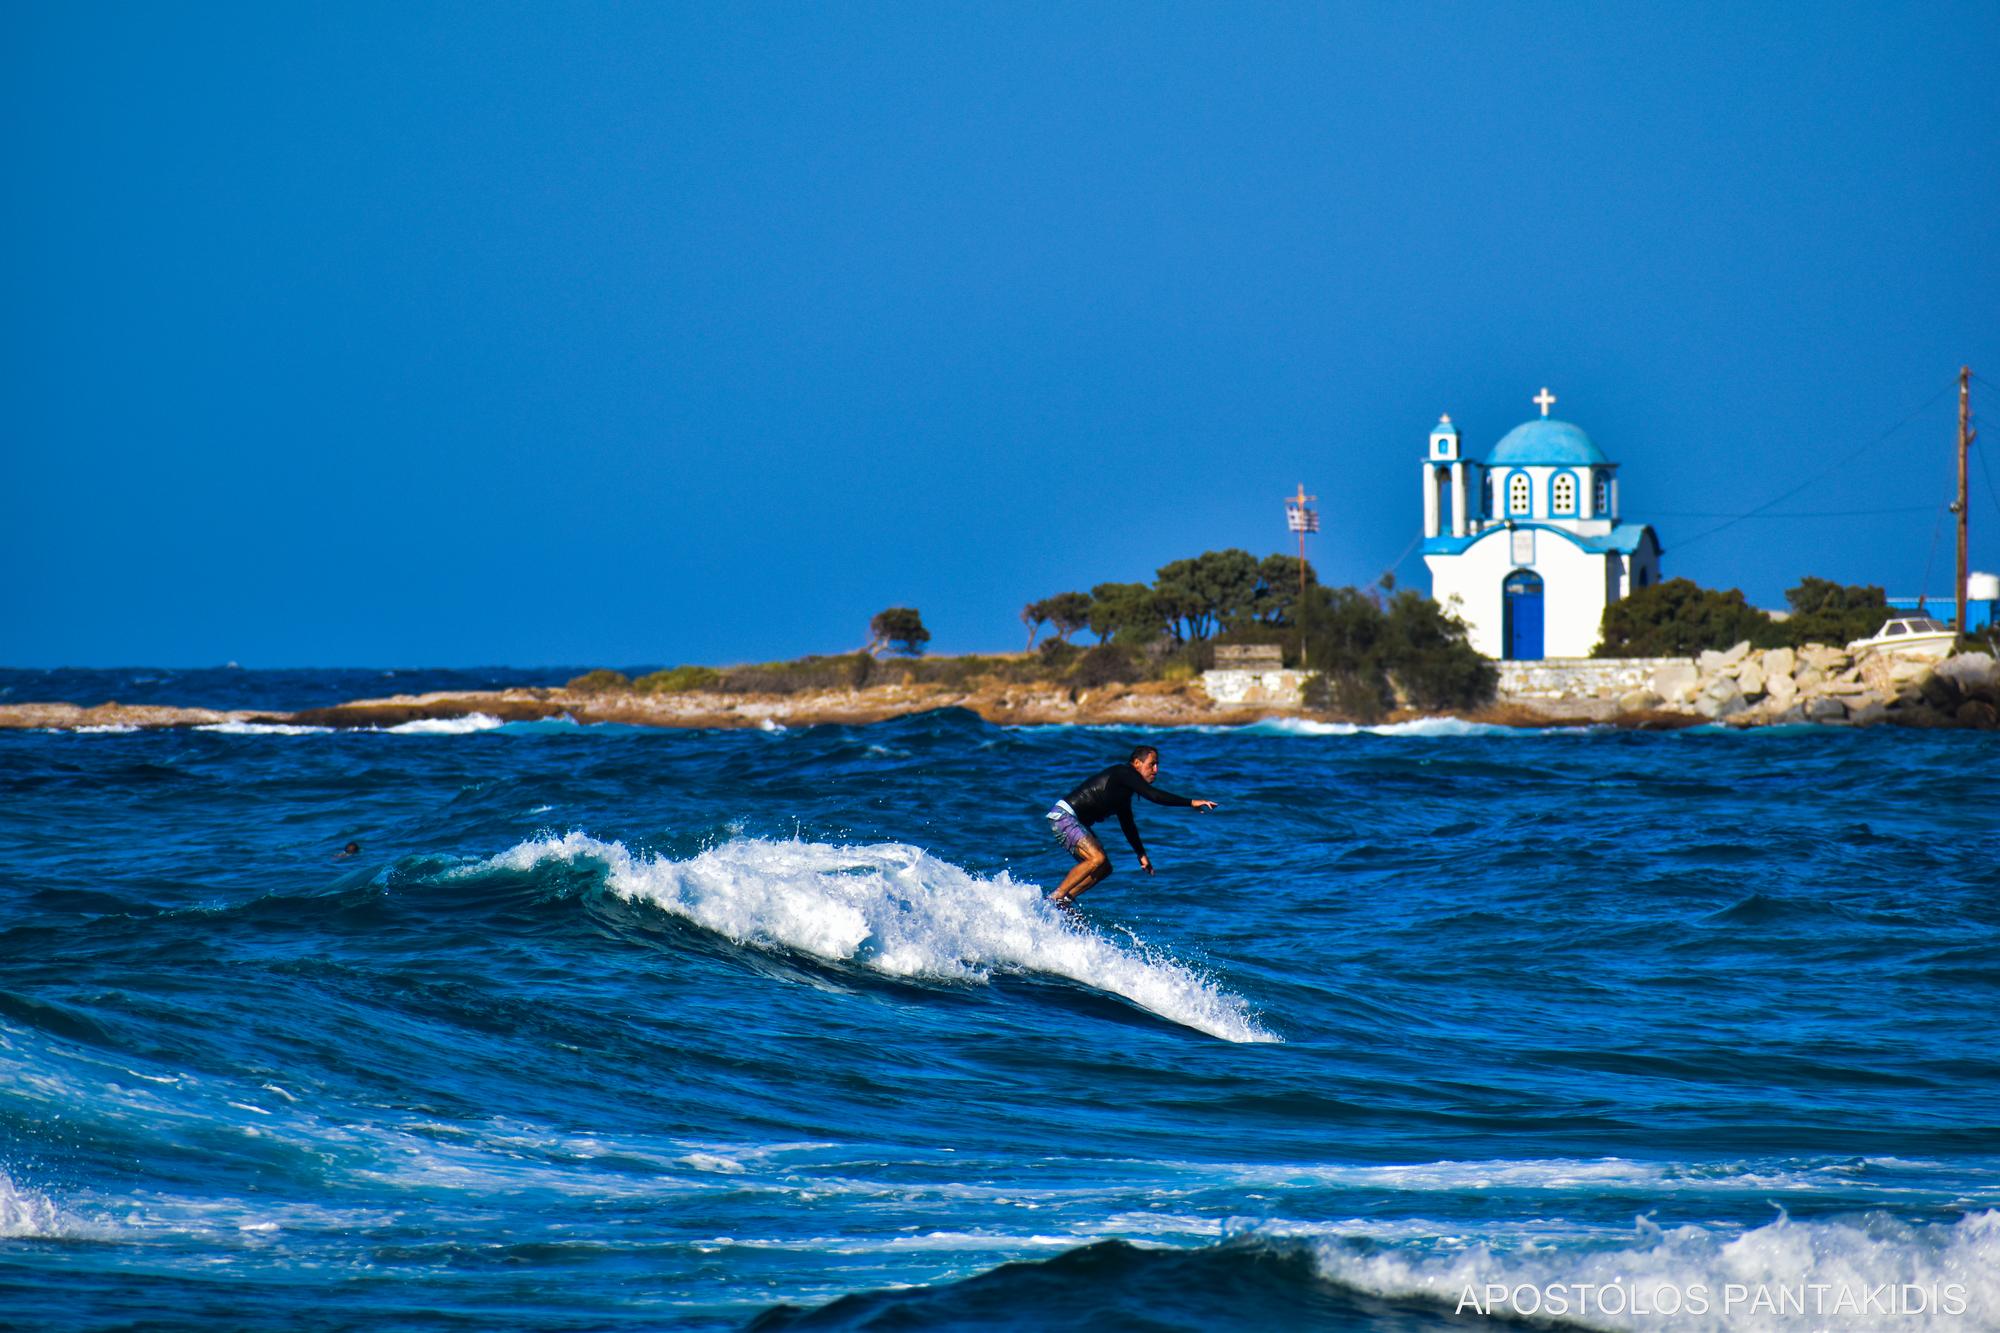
(1204, 805)
(1146, 863)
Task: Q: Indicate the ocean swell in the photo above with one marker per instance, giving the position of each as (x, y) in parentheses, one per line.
(898, 911)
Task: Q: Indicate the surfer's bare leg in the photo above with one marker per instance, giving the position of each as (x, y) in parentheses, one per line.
(1092, 867)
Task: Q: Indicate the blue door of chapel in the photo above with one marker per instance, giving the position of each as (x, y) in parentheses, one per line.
(1523, 628)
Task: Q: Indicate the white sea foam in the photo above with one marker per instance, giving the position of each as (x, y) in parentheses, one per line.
(25, 1212)
(1865, 1272)
(1598, 1175)
(446, 726)
(1420, 726)
(109, 729)
(1303, 726)
(900, 911)
(262, 729)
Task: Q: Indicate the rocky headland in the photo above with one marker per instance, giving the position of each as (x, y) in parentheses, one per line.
(1741, 687)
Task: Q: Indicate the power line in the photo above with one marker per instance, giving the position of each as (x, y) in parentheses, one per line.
(1842, 461)
(1937, 530)
(1398, 561)
(1817, 513)
(1987, 471)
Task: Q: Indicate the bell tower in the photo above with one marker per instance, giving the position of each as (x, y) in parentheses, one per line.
(1444, 482)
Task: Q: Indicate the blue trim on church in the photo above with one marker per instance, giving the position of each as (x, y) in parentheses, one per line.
(1624, 539)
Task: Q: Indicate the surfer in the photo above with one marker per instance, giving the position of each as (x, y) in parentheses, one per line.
(1097, 797)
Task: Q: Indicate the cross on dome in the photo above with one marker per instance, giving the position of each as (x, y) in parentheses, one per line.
(1544, 399)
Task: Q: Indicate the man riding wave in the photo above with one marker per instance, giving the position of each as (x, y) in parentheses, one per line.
(1098, 797)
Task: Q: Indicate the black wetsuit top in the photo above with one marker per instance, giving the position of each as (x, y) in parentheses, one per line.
(1111, 793)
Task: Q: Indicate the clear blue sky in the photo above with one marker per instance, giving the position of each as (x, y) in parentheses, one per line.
(446, 334)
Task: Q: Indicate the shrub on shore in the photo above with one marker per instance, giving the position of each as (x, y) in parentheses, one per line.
(1107, 664)
(844, 671)
(1679, 618)
(1372, 657)
(678, 680)
(601, 681)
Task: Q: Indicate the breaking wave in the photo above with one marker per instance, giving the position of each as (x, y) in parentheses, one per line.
(446, 726)
(898, 911)
(1856, 1273)
(1420, 726)
(263, 729)
(25, 1212)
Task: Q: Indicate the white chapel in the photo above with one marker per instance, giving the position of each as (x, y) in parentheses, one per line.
(1528, 548)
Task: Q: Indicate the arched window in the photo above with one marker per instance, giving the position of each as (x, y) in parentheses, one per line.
(1603, 495)
(1517, 493)
(1562, 494)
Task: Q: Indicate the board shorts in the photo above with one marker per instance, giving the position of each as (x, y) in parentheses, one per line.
(1069, 830)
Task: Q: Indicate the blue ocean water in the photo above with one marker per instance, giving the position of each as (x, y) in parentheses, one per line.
(608, 1027)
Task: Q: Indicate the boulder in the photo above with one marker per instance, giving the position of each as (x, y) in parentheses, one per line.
(1866, 709)
(1971, 672)
(1809, 680)
(1822, 658)
(1709, 662)
(1736, 654)
(1675, 682)
(1820, 708)
(1938, 692)
(1977, 713)
(1638, 701)
(1780, 692)
(1888, 674)
(1750, 679)
(1780, 662)
(1720, 700)
(1919, 715)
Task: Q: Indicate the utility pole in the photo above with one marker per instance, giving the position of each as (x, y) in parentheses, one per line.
(1301, 518)
(1964, 445)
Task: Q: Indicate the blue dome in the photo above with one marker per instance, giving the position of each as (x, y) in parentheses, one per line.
(1547, 441)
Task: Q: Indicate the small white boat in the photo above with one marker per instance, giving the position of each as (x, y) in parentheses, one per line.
(1918, 635)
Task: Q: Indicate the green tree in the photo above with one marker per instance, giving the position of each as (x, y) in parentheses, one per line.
(1201, 595)
(1034, 616)
(1827, 612)
(1364, 650)
(1343, 631)
(1068, 612)
(1679, 618)
(1127, 613)
(1427, 653)
(1275, 602)
(900, 628)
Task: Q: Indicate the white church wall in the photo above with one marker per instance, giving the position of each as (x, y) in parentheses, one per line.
(1574, 614)
(1573, 588)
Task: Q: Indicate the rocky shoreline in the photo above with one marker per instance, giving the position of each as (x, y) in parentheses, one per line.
(1742, 687)
(1162, 704)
